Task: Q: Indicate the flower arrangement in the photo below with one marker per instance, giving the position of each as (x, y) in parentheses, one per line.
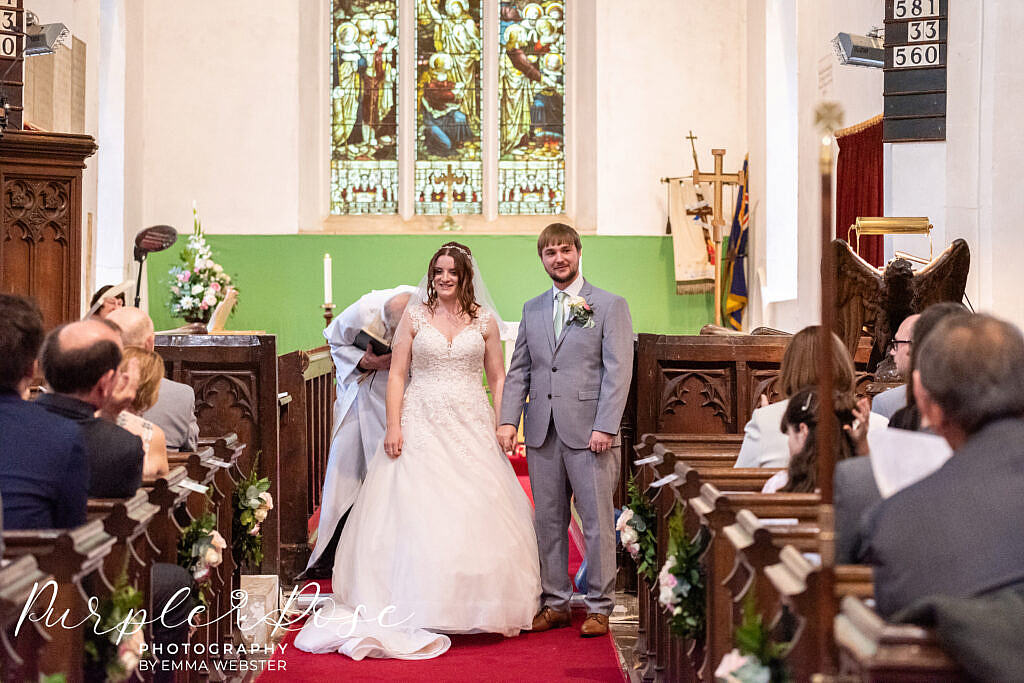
(636, 531)
(114, 643)
(201, 548)
(197, 284)
(757, 658)
(580, 312)
(681, 579)
(252, 504)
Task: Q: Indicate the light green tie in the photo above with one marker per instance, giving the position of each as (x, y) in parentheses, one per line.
(559, 313)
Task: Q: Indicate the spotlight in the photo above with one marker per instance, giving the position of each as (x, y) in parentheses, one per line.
(858, 50)
(41, 39)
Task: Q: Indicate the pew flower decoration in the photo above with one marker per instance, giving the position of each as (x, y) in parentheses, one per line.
(580, 312)
(253, 503)
(201, 548)
(197, 284)
(636, 531)
(115, 642)
(757, 658)
(681, 579)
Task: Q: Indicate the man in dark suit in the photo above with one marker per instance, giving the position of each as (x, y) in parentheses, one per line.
(957, 532)
(175, 409)
(855, 491)
(80, 362)
(43, 466)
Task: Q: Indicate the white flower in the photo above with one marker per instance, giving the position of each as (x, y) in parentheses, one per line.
(633, 549)
(624, 518)
(197, 289)
(217, 268)
(576, 301)
(666, 597)
(731, 663)
(628, 536)
(260, 514)
(210, 299)
(217, 541)
(187, 302)
(212, 557)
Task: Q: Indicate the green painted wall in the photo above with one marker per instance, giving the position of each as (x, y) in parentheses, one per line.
(280, 277)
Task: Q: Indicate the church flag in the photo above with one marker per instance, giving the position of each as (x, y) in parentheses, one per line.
(735, 280)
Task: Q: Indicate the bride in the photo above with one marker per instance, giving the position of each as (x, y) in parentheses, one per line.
(440, 539)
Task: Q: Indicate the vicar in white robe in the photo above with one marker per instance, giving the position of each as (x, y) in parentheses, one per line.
(359, 414)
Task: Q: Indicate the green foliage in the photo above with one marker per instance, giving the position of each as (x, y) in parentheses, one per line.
(117, 612)
(753, 638)
(191, 546)
(643, 523)
(248, 501)
(689, 592)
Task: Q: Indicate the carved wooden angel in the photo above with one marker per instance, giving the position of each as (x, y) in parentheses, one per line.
(870, 300)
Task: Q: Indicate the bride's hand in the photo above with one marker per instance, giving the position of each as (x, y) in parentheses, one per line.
(393, 442)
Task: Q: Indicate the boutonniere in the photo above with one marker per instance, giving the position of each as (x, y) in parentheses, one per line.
(580, 312)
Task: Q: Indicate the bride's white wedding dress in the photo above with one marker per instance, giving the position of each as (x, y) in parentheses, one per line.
(440, 539)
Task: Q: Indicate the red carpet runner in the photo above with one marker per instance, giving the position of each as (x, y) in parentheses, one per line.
(558, 655)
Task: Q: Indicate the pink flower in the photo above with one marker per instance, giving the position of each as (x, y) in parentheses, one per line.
(586, 306)
(215, 286)
(204, 305)
(671, 581)
(255, 531)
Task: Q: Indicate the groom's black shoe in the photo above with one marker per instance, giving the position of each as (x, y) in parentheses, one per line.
(548, 618)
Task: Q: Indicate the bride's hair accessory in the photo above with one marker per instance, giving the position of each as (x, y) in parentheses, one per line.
(464, 292)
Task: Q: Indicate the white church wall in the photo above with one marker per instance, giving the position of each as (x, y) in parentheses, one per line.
(985, 146)
(819, 77)
(663, 68)
(915, 185)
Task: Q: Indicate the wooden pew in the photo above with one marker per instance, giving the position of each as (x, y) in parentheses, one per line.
(20, 653)
(73, 557)
(871, 650)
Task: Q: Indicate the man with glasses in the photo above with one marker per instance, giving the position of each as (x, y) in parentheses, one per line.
(888, 402)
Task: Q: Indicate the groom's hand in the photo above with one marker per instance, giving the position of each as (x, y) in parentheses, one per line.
(507, 437)
(600, 442)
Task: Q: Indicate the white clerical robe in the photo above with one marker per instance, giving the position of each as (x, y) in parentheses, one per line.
(359, 413)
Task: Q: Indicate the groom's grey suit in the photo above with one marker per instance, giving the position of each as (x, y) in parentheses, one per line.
(577, 384)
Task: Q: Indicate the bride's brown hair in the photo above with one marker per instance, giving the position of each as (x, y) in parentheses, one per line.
(464, 293)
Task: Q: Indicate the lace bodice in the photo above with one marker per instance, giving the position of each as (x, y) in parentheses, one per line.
(447, 379)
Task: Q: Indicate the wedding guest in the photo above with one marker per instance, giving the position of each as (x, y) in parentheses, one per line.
(763, 444)
(358, 411)
(909, 416)
(110, 303)
(957, 532)
(891, 400)
(175, 408)
(154, 444)
(43, 466)
(80, 362)
(800, 425)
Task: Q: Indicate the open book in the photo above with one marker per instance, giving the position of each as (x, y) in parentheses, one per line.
(367, 339)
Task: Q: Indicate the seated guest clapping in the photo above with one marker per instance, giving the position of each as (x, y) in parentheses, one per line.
(151, 371)
(174, 410)
(43, 466)
(957, 532)
(763, 444)
(80, 363)
(800, 425)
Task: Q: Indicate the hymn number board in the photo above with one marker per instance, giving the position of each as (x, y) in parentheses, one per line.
(915, 70)
(12, 47)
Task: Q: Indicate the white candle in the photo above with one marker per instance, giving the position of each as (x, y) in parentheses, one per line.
(328, 291)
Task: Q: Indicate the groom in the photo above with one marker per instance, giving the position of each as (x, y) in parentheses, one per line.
(574, 359)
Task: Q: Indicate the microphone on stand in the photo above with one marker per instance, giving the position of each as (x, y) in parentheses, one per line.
(147, 241)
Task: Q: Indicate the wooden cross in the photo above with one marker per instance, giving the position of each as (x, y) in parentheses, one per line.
(718, 179)
(693, 147)
(449, 179)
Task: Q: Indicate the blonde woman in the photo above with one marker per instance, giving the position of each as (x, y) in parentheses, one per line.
(154, 442)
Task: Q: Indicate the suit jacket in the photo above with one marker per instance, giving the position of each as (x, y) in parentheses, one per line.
(114, 454)
(765, 445)
(175, 413)
(43, 467)
(855, 492)
(889, 401)
(956, 532)
(580, 382)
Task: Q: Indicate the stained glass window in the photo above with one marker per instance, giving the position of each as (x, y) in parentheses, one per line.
(531, 98)
(364, 129)
(448, 113)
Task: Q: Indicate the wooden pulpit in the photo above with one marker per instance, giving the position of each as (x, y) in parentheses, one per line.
(41, 219)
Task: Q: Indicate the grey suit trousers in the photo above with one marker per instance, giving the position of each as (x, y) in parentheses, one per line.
(556, 473)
